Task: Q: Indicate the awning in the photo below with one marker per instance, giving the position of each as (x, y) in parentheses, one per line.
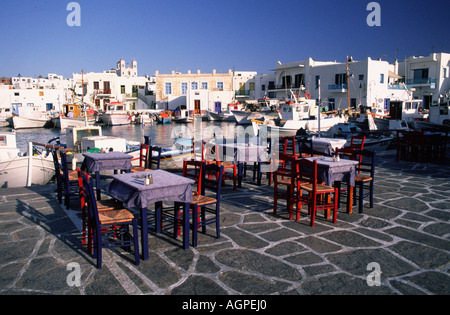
(394, 75)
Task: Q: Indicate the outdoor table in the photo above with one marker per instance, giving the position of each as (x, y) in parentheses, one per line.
(341, 171)
(327, 146)
(243, 153)
(96, 162)
(131, 190)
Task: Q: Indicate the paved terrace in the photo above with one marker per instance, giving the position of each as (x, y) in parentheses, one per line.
(406, 233)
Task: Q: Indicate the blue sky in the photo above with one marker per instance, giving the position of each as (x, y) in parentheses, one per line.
(246, 35)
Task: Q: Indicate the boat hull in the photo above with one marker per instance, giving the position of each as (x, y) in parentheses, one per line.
(291, 127)
(14, 172)
(116, 119)
(27, 123)
(220, 117)
(64, 122)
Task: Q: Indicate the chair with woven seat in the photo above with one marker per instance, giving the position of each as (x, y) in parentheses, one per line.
(286, 178)
(102, 221)
(143, 159)
(219, 161)
(67, 180)
(102, 205)
(209, 205)
(319, 196)
(305, 146)
(192, 169)
(365, 177)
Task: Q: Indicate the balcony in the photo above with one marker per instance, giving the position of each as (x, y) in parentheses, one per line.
(340, 88)
(422, 82)
(242, 92)
(273, 87)
(103, 92)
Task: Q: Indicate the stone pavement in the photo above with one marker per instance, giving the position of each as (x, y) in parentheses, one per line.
(406, 234)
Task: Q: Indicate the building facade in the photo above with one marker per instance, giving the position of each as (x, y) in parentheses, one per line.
(117, 85)
(428, 76)
(197, 92)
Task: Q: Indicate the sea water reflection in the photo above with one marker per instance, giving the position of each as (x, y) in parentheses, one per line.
(161, 135)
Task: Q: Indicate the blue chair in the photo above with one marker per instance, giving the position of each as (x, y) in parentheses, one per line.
(154, 157)
(67, 180)
(305, 146)
(110, 228)
(365, 176)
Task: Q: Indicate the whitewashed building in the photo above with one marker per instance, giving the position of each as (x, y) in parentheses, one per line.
(339, 85)
(117, 85)
(428, 76)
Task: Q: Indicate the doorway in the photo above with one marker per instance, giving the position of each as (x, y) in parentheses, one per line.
(196, 106)
(218, 107)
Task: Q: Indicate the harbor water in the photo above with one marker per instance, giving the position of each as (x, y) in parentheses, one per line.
(160, 135)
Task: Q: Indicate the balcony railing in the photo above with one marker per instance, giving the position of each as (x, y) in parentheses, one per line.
(108, 91)
(283, 87)
(242, 92)
(337, 87)
(421, 81)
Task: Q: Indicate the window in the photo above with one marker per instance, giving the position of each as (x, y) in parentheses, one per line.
(381, 77)
(96, 86)
(361, 77)
(252, 86)
(331, 104)
(122, 89)
(184, 87)
(220, 85)
(298, 80)
(421, 74)
(194, 85)
(263, 87)
(204, 85)
(445, 73)
(317, 81)
(41, 93)
(286, 82)
(340, 78)
(168, 88)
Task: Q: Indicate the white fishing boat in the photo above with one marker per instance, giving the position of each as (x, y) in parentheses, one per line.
(17, 170)
(73, 115)
(183, 117)
(222, 116)
(301, 113)
(116, 115)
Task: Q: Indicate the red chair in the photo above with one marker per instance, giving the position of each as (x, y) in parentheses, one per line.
(192, 169)
(143, 159)
(286, 176)
(354, 145)
(319, 197)
(226, 166)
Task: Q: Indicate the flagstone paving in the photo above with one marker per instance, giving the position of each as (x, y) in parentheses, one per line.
(406, 234)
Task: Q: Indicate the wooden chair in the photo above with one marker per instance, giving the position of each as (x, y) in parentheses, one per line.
(192, 169)
(154, 157)
(305, 147)
(365, 177)
(69, 179)
(403, 145)
(319, 196)
(226, 166)
(143, 159)
(208, 206)
(102, 205)
(287, 178)
(103, 235)
(357, 143)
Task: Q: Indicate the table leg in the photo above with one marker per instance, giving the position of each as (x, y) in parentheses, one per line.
(186, 226)
(144, 233)
(350, 199)
(240, 173)
(158, 216)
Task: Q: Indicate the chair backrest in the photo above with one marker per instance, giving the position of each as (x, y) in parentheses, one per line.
(359, 144)
(56, 164)
(64, 166)
(366, 164)
(81, 189)
(288, 145)
(193, 169)
(305, 146)
(154, 157)
(210, 171)
(91, 201)
(308, 172)
(143, 155)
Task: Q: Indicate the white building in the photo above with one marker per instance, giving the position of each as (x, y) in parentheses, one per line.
(429, 76)
(117, 85)
(367, 82)
(39, 94)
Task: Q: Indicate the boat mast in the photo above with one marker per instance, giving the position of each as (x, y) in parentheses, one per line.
(82, 99)
(348, 86)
